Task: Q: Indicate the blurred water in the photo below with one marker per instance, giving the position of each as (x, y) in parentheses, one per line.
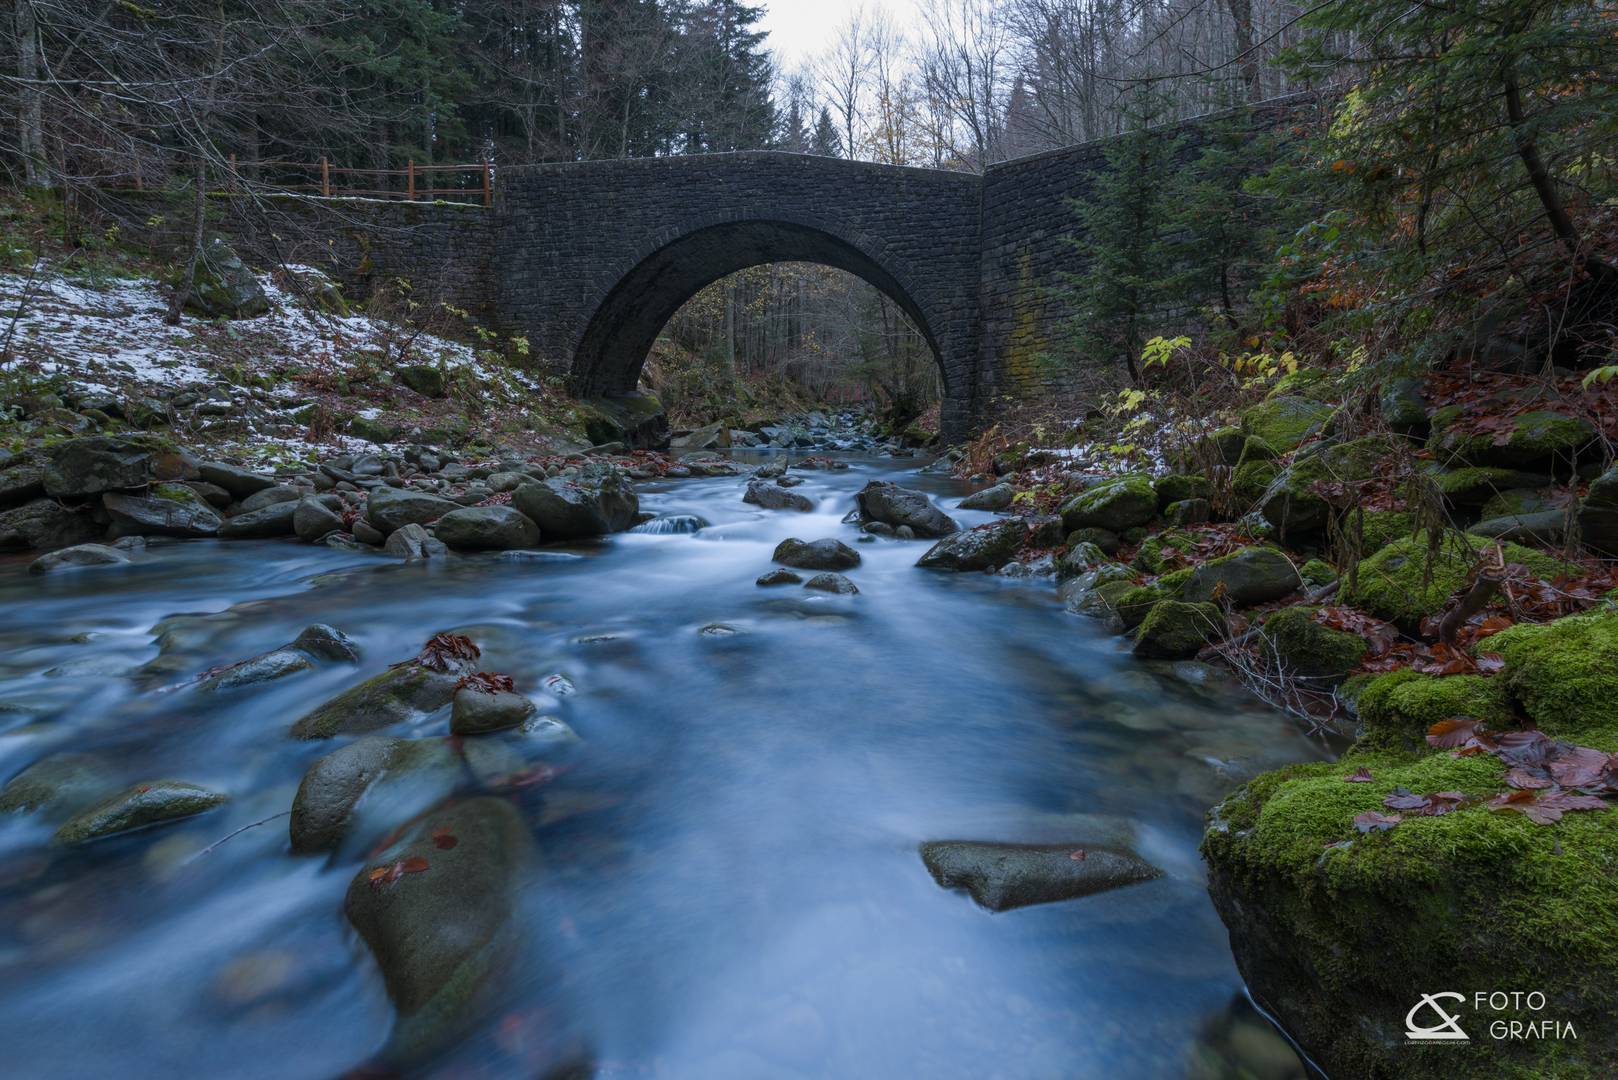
(728, 883)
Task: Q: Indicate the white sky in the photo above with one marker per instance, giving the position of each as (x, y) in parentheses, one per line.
(802, 29)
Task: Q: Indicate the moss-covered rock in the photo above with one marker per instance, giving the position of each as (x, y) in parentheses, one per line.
(1292, 503)
(1339, 934)
(1394, 583)
(1317, 572)
(1536, 438)
(57, 786)
(1598, 514)
(366, 789)
(1164, 551)
(1177, 487)
(1174, 581)
(1188, 512)
(1470, 488)
(1115, 505)
(1515, 502)
(1286, 421)
(1096, 591)
(1175, 630)
(1396, 709)
(397, 694)
(1564, 675)
(1251, 480)
(1379, 528)
(224, 287)
(136, 807)
(1403, 408)
(1079, 558)
(1309, 650)
(1312, 383)
(1253, 575)
(1136, 602)
(1105, 539)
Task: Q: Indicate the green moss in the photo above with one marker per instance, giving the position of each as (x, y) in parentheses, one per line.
(1390, 585)
(1284, 422)
(1317, 572)
(1251, 480)
(1173, 583)
(1396, 709)
(1309, 649)
(1359, 925)
(1535, 436)
(1174, 630)
(1311, 383)
(175, 493)
(1476, 485)
(1134, 604)
(1379, 528)
(1164, 550)
(1513, 503)
(1565, 675)
(1117, 504)
(1292, 504)
(1177, 487)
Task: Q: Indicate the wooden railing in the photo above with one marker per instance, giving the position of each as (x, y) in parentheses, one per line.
(472, 184)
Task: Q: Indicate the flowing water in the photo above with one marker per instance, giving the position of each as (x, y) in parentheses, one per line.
(728, 881)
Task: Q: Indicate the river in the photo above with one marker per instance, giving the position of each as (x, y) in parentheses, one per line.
(729, 882)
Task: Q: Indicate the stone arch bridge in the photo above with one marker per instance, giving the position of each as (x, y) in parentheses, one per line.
(588, 260)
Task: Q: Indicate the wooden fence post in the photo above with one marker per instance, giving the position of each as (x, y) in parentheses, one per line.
(488, 194)
(410, 179)
(325, 177)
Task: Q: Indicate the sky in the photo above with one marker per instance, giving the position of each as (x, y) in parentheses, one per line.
(802, 29)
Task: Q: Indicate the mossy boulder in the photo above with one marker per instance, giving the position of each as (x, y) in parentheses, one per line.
(377, 429)
(1394, 584)
(136, 807)
(224, 287)
(1285, 421)
(1136, 602)
(57, 786)
(594, 504)
(1079, 558)
(1253, 575)
(1105, 539)
(1317, 572)
(1339, 934)
(635, 419)
(1097, 591)
(1223, 445)
(1403, 408)
(1293, 503)
(1396, 709)
(1308, 650)
(1379, 528)
(1564, 675)
(75, 468)
(425, 379)
(1175, 630)
(1471, 488)
(1251, 480)
(397, 694)
(1116, 505)
(986, 547)
(1164, 551)
(1188, 512)
(1542, 437)
(1515, 502)
(168, 510)
(1312, 383)
(438, 918)
(1177, 487)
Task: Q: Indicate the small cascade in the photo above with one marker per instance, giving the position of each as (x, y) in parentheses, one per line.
(672, 523)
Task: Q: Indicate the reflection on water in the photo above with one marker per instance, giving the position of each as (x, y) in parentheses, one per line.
(728, 882)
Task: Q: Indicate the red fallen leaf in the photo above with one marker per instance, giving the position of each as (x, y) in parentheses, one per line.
(1078, 856)
(443, 839)
(486, 682)
(1456, 731)
(1361, 775)
(1522, 779)
(413, 865)
(445, 652)
(1524, 749)
(144, 788)
(1441, 802)
(1372, 821)
(1545, 808)
(1493, 625)
(1490, 662)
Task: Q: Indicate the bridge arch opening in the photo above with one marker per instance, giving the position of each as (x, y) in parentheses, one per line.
(626, 323)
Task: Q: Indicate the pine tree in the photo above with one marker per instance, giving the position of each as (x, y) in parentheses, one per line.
(828, 142)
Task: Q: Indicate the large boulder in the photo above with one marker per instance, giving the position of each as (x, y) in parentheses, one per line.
(169, 510)
(1539, 439)
(770, 496)
(78, 557)
(45, 525)
(136, 807)
(1253, 575)
(986, 547)
(397, 694)
(597, 503)
(824, 554)
(390, 509)
(1116, 505)
(1293, 502)
(275, 520)
(703, 438)
(486, 528)
(1005, 876)
(1405, 582)
(22, 477)
(89, 466)
(313, 519)
(636, 419)
(438, 918)
(899, 506)
(1598, 514)
(224, 287)
(241, 483)
(364, 789)
(1173, 630)
(997, 497)
(1286, 421)
(1097, 591)
(1306, 649)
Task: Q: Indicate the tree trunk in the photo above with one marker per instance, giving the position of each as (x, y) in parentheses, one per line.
(30, 113)
(199, 223)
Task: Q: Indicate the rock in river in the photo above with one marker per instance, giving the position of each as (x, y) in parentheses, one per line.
(592, 505)
(824, 554)
(317, 642)
(476, 712)
(266, 523)
(899, 506)
(486, 528)
(78, 556)
(57, 785)
(170, 510)
(997, 497)
(390, 509)
(1005, 876)
(778, 577)
(438, 918)
(986, 547)
(136, 807)
(832, 583)
(397, 778)
(774, 497)
(397, 694)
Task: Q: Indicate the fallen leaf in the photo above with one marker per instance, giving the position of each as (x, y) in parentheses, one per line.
(1361, 775)
(1078, 856)
(1372, 821)
(1456, 731)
